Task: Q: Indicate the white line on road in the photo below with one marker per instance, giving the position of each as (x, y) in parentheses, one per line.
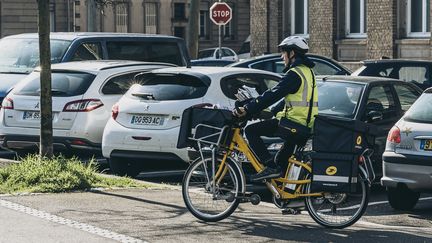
(73, 224)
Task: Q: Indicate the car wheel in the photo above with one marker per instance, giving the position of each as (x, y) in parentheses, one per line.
(402, 198)
(122, 167)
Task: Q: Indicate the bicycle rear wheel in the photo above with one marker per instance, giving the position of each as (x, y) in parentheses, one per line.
(207, 200)
(339, 210)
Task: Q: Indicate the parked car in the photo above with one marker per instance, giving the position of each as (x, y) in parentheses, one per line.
(274, 63)
(211, 63)
(20, 53)
(414, 71)
(407, 160)
(244, 51)
(214, 53)
(379, 101)
(145, 123)
(83, 94)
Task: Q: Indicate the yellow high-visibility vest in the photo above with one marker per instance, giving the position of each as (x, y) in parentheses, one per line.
(297, 105)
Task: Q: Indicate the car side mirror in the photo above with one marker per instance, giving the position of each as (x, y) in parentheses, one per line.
(373, 116)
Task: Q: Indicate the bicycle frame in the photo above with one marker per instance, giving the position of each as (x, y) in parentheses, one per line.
(239, 144)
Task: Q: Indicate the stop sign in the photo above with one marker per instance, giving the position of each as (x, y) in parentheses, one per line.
(220, 13)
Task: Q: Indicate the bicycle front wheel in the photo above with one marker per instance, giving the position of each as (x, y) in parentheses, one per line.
(339, 210)
(212, 199)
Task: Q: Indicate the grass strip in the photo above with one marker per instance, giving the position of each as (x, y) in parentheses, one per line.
(59, 174)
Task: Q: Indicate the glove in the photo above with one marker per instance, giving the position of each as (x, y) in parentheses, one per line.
(239, 112)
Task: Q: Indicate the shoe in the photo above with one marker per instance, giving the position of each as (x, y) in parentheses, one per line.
(267, 173)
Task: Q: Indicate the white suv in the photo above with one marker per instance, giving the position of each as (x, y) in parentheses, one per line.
(145, 123)
(83, 94)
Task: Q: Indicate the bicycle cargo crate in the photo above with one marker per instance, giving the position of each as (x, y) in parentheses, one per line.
(333, 172)
(204, 125)
(341, 135)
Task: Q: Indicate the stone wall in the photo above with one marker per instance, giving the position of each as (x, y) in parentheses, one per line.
(381, 28)
(322, 27)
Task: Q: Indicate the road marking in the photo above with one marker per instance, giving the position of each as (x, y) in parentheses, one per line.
(385, 202)
(73, 224)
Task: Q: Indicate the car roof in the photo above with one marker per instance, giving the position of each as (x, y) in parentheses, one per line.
(357, 79)
(210, 71)
(392, 61)
(82, 35)
(95, 66)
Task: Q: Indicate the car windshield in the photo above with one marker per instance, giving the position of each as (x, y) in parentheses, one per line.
(338, 98)
(205, 53)
(421, 110)
(168, 87)
(22, 55)
(63, 84)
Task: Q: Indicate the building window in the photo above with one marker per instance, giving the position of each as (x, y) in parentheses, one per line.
(52, 17)
(121, 14)
(150, 18)
(179, 31)
(418, 18)
(179, 11)
(355, 18)
(227, 31)
(203, 25)
(299, 17)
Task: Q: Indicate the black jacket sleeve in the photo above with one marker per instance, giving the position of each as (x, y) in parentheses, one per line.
(289, 84)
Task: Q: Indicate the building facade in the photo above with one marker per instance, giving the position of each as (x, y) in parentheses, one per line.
(168, 17)
(349, 30)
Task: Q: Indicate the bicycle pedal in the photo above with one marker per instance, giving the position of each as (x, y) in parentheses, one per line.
(290, 211)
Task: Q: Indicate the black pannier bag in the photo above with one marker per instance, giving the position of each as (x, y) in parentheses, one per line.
(333, 172)
(193, 116)
(341, 135)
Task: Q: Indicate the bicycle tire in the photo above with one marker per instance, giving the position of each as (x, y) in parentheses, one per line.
(317, 216)
(231, 206)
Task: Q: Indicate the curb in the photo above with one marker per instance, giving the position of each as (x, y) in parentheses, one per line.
(7, 162)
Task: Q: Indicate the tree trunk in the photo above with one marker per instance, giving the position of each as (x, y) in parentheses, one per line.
(192, 39)
(46, 133)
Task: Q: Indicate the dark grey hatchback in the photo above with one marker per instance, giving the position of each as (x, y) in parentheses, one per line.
(379, 101)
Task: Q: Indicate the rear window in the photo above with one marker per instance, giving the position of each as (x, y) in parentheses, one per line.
(205, 53)
(338, 98)
(168, 52)
(168, 87)
(421, 110)
(63, 84)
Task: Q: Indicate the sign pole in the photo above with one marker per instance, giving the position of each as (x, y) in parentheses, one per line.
(220, 41)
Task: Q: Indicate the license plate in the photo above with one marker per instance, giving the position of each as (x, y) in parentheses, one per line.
(31, 115)
(147, 120)
(426, 145)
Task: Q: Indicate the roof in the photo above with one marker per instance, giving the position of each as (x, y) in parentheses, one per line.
(77, 35)
(211, 71)
(391, 61)
(357, 79)
(96, 66)
(428, 91)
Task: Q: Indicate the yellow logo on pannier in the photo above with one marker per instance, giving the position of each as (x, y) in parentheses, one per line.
(359, 140)
(293, 130)
(331, 170)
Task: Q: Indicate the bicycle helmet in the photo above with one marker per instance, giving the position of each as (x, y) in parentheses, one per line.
(296, 43)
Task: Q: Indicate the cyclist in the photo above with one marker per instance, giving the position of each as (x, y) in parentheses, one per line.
(295, 107)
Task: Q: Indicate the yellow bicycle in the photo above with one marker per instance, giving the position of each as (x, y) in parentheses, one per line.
(215, 184)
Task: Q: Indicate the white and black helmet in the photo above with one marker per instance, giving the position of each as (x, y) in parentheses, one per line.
(295, 43)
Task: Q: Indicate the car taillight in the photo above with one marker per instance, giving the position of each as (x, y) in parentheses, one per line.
(115, 111)
(7, 104)
(394, 135)
(82, 105)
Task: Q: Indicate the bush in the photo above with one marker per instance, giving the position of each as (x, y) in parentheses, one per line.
(59, 174)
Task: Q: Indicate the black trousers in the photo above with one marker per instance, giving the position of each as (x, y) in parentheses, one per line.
(268, 128)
